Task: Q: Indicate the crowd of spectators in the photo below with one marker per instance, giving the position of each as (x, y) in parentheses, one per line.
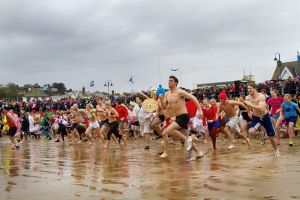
(64, 104)
(288, 86)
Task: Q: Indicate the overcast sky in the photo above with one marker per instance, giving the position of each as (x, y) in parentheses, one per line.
(76, 41)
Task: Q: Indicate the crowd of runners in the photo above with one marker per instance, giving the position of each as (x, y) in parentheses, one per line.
(179, 116)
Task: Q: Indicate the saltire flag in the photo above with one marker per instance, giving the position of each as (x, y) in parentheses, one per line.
(45, 87)
(92, 84)
(131, 79)
(174, 70)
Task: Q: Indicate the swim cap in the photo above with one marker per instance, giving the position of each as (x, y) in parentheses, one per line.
(223, 95)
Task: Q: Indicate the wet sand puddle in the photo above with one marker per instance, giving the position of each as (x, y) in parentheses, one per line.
(49, 170)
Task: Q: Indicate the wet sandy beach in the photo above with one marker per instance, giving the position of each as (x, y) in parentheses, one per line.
(47, 170)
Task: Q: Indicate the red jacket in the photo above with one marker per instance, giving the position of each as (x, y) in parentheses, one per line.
(210, 113)
(122, 111)
(191, 108)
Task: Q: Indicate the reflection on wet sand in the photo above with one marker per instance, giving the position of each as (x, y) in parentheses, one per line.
(90, 172)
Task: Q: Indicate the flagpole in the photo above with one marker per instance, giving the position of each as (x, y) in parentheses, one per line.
(298, 61)
(159, 69)
(94, 90)
(131, 88)
(131, 81)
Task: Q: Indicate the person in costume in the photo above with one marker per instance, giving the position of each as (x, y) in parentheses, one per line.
(45, 126)
(144, 119)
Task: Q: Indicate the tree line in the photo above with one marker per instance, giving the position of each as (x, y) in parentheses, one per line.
(14, 91)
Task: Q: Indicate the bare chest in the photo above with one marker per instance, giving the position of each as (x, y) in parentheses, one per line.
(227, 107)
(174, 98)
(254, 101)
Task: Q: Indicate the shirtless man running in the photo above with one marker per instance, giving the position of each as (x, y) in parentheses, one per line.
(102, 119)
(158, 118)
(174, 101)
(228, 107)
(112, 116)
(256, 102)
(78, 119)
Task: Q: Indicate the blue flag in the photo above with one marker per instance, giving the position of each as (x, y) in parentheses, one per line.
(298, 56)
(45, 87)
(92, 84)
(131, 79)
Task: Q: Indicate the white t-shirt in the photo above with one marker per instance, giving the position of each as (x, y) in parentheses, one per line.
(143, 115)
(135, 111)
(32, 126)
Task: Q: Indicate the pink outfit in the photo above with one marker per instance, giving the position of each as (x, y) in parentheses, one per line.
(275, 104)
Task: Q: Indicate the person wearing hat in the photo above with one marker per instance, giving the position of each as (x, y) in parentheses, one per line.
(144, 119)
(232, 125)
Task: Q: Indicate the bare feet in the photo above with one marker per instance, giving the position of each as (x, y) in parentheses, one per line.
(189, 143)
(162, 143)
(231, 146)
(248, 143)
(197, 157)
(195, 138)
(164, 155)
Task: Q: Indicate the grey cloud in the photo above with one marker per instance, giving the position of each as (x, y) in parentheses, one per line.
(79, 41)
